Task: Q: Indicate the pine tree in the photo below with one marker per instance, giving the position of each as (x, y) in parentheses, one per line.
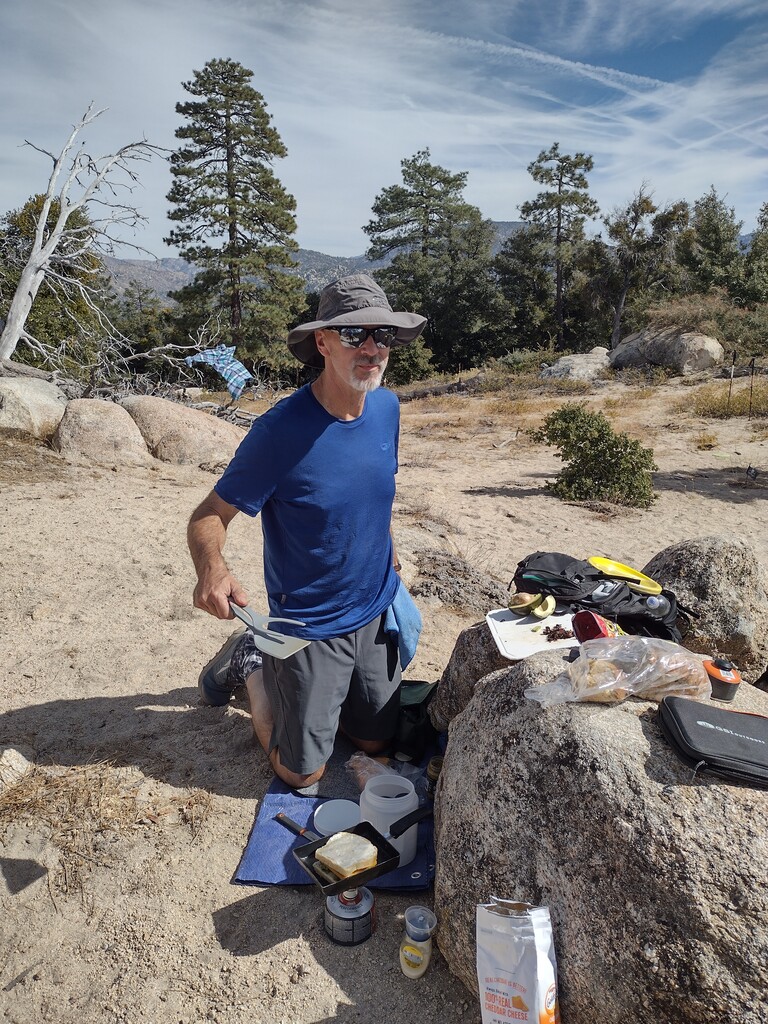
(235, 221)
(524, 273)
(710, 250)
(644, 244)
(561, 209)
(442, 258)
(756, 261)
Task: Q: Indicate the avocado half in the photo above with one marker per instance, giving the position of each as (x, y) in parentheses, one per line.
(546, 608)
(522, 604)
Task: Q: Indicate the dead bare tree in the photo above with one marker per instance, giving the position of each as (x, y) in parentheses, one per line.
(101, 187)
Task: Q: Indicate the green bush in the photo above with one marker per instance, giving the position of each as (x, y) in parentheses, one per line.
(601, 465)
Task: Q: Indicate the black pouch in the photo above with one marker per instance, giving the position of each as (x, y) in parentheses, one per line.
(731, 744)
(415, 731)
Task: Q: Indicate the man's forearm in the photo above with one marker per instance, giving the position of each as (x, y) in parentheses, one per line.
(206, 536)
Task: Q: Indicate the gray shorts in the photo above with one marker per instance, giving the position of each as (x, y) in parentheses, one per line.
(351, 680)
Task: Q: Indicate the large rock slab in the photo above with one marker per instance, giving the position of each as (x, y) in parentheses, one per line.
(655, 881)
(673, 347)
(724, 583)
(584, 366)
(100, 431)
(474, 656)
(31, 406)
(175, 433)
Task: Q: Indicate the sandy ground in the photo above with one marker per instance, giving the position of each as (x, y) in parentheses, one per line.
(117, 851)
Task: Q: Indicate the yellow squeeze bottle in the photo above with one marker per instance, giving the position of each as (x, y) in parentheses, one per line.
(416, 944)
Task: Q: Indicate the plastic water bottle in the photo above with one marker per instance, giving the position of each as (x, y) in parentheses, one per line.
(657, 603)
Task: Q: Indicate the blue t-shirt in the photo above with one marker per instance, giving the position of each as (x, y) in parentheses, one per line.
(325, 489)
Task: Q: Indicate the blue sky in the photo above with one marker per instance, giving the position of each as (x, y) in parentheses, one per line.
(673, 93)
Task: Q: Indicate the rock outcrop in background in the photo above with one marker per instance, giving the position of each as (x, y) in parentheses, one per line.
(673, 347)
(721, 580)
(133, 431)
(31, 406)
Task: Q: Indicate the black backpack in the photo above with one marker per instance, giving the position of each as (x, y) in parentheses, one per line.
(578, 584)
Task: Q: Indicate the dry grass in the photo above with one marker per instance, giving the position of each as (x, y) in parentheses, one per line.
(438, 404)
(510, 406)
(421, 510)
(604, 510)
(82, 810)
(78, 807)
(612, 405)
(525, 384)
(713, 402)
(23, 457)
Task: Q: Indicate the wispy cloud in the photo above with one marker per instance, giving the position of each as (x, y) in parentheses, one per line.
(353, 89)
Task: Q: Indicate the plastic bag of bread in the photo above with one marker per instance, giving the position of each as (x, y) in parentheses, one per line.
(609, 669)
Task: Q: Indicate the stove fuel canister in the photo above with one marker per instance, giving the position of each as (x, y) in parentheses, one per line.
(723, 677)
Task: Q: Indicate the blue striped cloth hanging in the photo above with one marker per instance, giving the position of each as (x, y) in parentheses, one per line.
(222, 359)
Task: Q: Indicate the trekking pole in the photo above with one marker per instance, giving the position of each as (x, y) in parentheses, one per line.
(730, 386)
(751, 385)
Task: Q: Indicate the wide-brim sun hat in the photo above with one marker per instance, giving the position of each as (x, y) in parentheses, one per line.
(354, 301)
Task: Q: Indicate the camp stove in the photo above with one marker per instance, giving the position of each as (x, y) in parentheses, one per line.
(350, 916)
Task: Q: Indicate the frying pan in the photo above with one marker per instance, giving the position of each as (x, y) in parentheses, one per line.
(279, 645)
(387, 857)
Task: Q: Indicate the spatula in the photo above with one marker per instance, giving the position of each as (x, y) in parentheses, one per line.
(269, 641)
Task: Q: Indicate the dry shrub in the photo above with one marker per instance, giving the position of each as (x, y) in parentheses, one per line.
(705, 442)
(646, 377)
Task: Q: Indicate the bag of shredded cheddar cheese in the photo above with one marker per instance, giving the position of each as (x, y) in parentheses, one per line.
(516, 967)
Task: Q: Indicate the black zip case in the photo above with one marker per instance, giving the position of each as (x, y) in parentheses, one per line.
(730, 744)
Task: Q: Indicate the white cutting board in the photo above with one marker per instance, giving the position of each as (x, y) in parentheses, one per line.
(516, 635)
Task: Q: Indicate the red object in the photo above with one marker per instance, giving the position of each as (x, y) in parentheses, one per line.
(590, 626)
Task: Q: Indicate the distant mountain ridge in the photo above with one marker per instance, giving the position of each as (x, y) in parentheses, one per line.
(316, 268)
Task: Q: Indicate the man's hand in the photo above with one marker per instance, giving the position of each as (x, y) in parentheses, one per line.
(215, 589)
(206, 534)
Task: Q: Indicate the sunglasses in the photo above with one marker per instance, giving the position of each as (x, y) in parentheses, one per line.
(356, 337)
